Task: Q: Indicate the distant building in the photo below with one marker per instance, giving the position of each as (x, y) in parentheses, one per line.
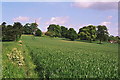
(113, 41)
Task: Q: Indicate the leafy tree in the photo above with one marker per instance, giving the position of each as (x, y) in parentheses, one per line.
(87, 33)
(92, 32)
(18, 30)
(83, 33)
(8, 33)
(3, 25)
(82, 36)
(102, 33)
(64, 31)
(11, 33)
(30, 28)
(33, 28)
(54, 30)
(38, 32)
(72, 35)
(27, 29)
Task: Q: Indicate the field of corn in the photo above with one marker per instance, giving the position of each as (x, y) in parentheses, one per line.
(60, 58)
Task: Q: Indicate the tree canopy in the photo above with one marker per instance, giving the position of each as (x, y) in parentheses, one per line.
(54, 30)
(87, 33)
(11, 32)
(30, 28)
(14, 32)
(72, 35)
(90, 32)
(64, 31)
(102, 33)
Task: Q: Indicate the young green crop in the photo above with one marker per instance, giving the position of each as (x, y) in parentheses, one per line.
(58, 58)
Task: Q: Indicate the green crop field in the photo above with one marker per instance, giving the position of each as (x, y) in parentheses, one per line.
(60, 58)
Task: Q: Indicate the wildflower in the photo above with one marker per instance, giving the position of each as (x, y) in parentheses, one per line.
(16, 56)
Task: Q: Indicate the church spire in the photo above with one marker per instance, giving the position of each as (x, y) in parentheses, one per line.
(36, 22)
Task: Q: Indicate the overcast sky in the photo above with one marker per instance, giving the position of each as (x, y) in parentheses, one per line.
(69, 14)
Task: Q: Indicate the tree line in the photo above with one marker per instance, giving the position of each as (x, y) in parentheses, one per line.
(14, 32)
(89, 33)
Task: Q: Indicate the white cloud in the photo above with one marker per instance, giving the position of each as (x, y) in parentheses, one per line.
(96, 5)
(105, 23)
(58, 20)
(24, 19)
(20, 18)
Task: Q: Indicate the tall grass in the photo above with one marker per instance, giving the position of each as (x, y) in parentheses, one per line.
(11, 69)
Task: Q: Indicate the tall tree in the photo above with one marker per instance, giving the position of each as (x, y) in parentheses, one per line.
(8, 33)
(27, 29)
(87, 33)
(34, 27)
(92, 32)
(64, 31)
(3, 25)
(54, 30)
(102, 32)
(30, 28)
(72, 35)
(18, 29)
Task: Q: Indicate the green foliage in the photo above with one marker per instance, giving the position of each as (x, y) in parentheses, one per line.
(102, 33)
(54, 30)
(30, 28)
(8, 33)
(111, 37)
(87, 33)
(11, 33)
(17, 30)
(50, 33)
(57, 58)
(27, 29)
(38, 32)
(72, 35)
(64, 32)
(10, 57)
